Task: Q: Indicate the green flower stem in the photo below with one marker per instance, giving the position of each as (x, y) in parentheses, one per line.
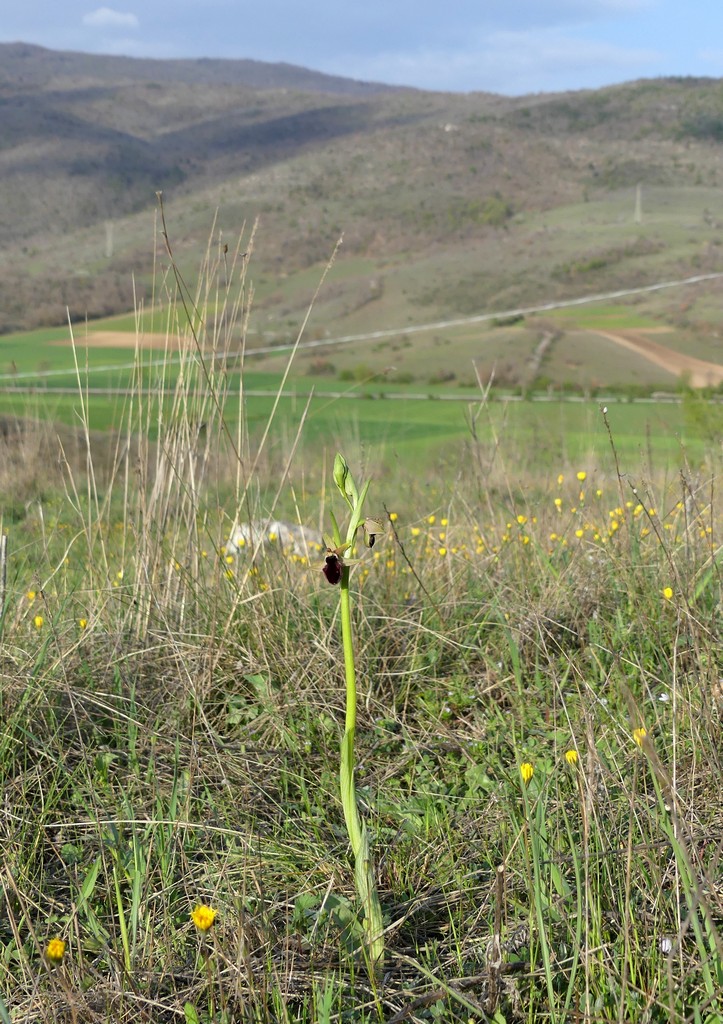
(535, 821)
(348, 788)
(356, 829)
(121, 916)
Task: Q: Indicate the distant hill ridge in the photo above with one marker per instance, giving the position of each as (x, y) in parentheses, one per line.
(26, 64)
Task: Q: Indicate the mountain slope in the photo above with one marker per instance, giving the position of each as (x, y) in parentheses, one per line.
(464, 188)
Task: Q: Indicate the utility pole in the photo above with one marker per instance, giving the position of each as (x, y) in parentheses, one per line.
(638, 215)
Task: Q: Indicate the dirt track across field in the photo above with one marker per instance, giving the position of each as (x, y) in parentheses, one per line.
(700, 373)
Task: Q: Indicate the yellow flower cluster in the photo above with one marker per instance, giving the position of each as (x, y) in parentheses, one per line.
(202, 916)
(582, 518)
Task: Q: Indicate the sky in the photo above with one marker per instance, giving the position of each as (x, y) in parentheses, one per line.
(511, 47)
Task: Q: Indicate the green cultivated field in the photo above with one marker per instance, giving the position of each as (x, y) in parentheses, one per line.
(430, 434)
(365, 397)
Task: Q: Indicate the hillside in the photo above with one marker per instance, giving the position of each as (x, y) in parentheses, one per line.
(448, 204)
(28, 65)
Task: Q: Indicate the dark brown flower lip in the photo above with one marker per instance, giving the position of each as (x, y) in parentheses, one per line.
(332, 567)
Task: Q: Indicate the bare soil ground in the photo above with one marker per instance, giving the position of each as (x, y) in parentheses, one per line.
(701, 373)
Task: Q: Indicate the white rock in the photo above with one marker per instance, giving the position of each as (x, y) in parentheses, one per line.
(291, 538)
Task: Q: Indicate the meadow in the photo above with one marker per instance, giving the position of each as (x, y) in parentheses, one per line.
(538, 682)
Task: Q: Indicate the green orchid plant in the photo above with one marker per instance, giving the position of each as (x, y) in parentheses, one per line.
(336, 570)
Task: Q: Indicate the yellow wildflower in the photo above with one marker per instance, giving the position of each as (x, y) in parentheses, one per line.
(571, 757)
(82, 623)
(526, 771)
(668, 593)
(38, 621)
(30, 596)
(55, 950)
(639, 735)
(582, 476)
(203, 916)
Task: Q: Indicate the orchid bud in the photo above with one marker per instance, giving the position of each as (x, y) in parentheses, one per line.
(345, 481)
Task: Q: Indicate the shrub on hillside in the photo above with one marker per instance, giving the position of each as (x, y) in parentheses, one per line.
(321, 368)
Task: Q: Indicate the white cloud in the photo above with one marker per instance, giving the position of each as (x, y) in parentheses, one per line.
(552, 51)
(106, 17)
(713, 58)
